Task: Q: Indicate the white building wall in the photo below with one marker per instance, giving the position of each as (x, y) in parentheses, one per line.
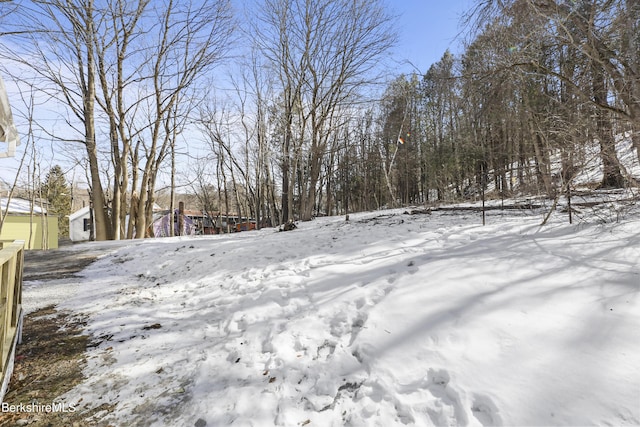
(79, 225)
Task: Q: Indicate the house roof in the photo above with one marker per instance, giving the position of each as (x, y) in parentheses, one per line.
(79, 213)
(21, 206)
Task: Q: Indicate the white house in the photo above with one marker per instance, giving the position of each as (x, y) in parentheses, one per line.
(80, 225)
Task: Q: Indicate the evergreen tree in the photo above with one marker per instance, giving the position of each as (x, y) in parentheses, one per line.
(58, 193)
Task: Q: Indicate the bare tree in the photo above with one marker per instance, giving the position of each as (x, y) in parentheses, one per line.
(116, 77)
(193, 38)
(598, 33)
(138, 61)
(323, 52)
(61, 57)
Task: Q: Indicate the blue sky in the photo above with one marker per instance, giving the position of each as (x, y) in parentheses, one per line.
(426, 29)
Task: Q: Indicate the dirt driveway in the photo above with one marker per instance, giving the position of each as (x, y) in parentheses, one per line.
(58, 263)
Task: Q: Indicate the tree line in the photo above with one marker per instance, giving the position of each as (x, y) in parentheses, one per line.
(306, 130)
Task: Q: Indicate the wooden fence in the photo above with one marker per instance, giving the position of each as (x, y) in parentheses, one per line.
(11, 263)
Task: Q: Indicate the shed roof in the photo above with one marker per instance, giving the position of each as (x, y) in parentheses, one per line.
(79, 213)
(21, 206)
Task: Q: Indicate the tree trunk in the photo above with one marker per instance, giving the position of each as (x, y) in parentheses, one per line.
(285, 168)
(633, 25)
(101, 216)
(611, 175)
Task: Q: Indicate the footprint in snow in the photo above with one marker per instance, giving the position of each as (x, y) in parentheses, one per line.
(485, 411)
(357, 325)
(481, 406)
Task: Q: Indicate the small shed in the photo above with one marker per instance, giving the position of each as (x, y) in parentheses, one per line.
(29, 222)
(80, 225)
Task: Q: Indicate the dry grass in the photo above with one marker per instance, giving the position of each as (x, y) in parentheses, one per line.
(48, 363)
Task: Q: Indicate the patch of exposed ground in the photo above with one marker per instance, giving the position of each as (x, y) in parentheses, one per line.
(48, 363)
(56, 264)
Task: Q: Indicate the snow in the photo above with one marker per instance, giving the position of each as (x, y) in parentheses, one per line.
(20, 206)
(388, 319)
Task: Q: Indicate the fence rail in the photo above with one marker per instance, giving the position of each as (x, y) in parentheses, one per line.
(11, 264)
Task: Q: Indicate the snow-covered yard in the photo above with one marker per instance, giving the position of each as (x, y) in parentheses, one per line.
(388, 319)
